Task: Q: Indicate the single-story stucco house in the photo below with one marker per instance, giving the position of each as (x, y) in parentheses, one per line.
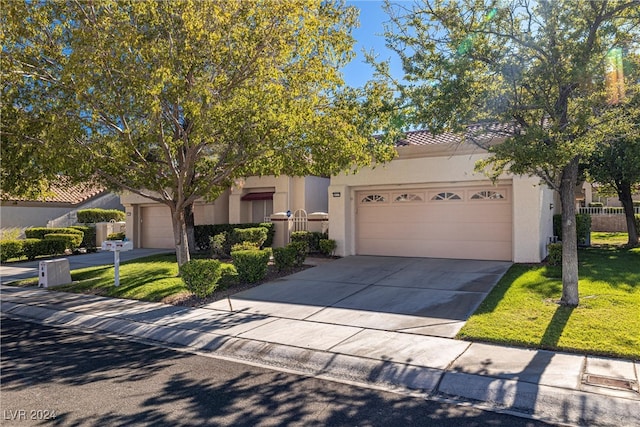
(57, 208)
(252, 199)
(429, 202)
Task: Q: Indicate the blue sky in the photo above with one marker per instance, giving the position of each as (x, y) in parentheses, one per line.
(369, 36)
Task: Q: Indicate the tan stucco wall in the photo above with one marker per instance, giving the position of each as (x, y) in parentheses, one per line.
(316, 194)
(443, 165)
(291, 193)
(216, 212)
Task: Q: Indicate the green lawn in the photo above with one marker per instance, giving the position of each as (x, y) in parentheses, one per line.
(149, 279)
(599, 238)
(522, 309)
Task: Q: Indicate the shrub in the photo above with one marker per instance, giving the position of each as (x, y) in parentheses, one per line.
(201, 276)
(10, 249)
(229, 276)
(245, 246)
(637, 223)
(301, 250)
(251, 265)
(284, 258)
(71, 241)
(327, 246)
(312, 238)
(116, 236)
(89, 216)
(89, 237)
(595, 204)
(555, 254)
(583, 227)
(255, 235)
(300, 236)
(204, 233)
(32, 248)
(40, 232)
(218, 246)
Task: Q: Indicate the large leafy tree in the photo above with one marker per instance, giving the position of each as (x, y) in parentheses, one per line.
(615, 161)
(172, 100)
(537, 67)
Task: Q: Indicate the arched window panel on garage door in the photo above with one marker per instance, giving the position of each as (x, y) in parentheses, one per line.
(374, 198)
(408, 197)
(489, 195)
(445, 196)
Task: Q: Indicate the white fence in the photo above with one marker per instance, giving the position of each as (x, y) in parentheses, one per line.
(606, 210)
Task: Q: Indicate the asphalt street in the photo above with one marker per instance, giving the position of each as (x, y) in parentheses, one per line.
(65, 377)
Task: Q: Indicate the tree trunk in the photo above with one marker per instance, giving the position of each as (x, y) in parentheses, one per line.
(190, 224)
(180, 236)
(569, 236)
(626, 198)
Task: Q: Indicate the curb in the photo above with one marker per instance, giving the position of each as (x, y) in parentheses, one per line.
(520, 398)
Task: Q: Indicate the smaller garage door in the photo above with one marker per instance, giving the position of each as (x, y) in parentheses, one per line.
(156, 228)
(449, 222)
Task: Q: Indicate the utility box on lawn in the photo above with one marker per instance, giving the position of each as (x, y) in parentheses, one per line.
(54, 273)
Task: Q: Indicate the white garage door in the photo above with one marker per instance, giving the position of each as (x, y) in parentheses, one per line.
(156, 228)
(448, 222)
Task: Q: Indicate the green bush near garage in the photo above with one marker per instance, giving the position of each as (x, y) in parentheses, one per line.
(205, 233)
(251, 265)
(583, 228)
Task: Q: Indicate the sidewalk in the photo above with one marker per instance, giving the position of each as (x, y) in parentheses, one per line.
(554, 387)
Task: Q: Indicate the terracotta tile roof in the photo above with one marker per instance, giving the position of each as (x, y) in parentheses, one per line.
(478, 133)
(61, 193)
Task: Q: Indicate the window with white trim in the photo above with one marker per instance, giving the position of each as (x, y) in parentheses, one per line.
(487, 195)
(373, 198)
(445, 195)
(408, 197)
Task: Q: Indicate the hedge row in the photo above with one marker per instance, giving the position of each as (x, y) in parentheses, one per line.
(40, 232)
(204, 233)
(91, 216)
(42, 241)
(32, 248)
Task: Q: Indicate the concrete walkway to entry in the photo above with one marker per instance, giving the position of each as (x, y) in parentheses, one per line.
(379, 321)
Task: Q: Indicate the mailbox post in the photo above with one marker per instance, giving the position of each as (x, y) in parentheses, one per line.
(116, 246)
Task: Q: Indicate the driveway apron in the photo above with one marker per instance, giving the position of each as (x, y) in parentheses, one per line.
(424, 296)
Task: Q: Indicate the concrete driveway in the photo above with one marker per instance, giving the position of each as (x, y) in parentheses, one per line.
(425, 296)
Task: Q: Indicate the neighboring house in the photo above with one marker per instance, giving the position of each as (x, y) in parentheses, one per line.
(58, 208)
(252, 199)
(429, 202)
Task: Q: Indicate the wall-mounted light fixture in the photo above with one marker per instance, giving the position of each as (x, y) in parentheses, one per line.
(336, 194)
